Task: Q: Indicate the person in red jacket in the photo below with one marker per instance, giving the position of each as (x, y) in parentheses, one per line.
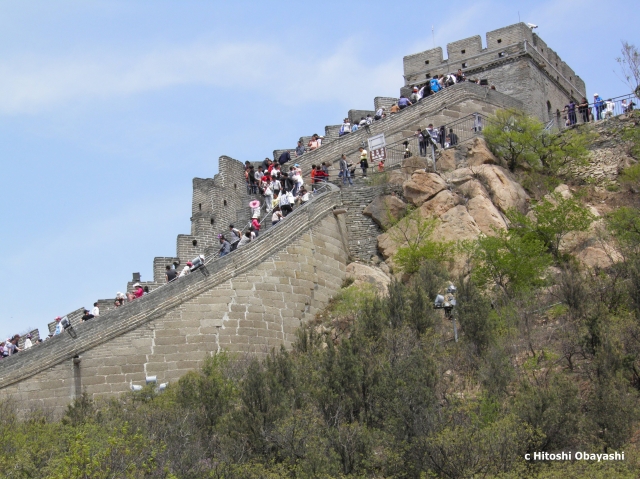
(255, 223)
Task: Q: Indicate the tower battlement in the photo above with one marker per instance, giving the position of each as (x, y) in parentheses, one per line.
(515, 60)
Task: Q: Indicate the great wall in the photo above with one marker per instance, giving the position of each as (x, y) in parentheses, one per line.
(255, 298)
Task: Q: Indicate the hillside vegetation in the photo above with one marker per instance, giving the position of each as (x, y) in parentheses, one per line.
(548, 356)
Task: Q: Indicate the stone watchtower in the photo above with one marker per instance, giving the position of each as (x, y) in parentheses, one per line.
(515, 60)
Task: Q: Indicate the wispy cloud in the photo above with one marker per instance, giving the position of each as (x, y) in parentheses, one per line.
(32, 84)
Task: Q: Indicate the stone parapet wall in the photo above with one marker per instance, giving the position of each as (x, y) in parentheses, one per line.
(509, 51)
(250, 301)
(405, 119)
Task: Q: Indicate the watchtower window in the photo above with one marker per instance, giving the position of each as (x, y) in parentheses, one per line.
(235, 186)
(463, 51)
(200, 206)
(464, 65)
(212, 221)
(542, 49)
(224, 202)
(499, 40)
(426, 62)
(428, 75)
(194, 242)
(501, 54)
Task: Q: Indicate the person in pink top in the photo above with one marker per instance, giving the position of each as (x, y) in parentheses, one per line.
(138, 291)
(255, 223)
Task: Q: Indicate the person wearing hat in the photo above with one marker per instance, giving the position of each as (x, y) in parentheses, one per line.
(598, 105)
(119, 301)
(415, 96)
(27, 342)
(58, 326)
(87, 315)
(138, 292)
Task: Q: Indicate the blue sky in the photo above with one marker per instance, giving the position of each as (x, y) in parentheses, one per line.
(108, 109)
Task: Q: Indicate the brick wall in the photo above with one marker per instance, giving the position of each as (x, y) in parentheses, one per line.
(513, 55)
(251, 301)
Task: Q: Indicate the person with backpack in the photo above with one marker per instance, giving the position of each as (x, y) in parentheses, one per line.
(234, 236)
(433, 83)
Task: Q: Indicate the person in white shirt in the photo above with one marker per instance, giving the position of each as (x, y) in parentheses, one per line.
(186, 270)
(96, 310)
(609, 108)
(346, 127)
(58, 327)
(27, 342)
(268, 198)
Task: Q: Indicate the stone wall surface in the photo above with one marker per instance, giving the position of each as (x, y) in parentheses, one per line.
(255, 298)
(250, 301)
(515, 60)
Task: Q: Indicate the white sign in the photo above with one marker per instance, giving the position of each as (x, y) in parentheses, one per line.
(377, 147)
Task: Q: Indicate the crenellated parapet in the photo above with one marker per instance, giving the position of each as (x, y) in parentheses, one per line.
(515, 60)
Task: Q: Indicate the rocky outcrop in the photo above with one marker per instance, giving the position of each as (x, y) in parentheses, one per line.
(479, 154)
(423, 186)
(486, 215)
(385, 210)
(412, 164)
(365, 274)
(456, 225)
(504, 191)
(439, 204)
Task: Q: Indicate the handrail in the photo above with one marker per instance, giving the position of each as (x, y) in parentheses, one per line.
(592, 112)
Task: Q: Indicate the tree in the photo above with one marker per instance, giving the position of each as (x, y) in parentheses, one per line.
(557, 151)
(521, 139)
(414, 231)
(624, 224)
(555, 217)
(630, 65)
(512, 262)
(512, 135)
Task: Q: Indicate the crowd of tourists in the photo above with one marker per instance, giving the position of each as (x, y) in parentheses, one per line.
(598, 110)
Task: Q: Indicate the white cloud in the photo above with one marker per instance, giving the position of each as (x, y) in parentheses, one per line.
(32, 83)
